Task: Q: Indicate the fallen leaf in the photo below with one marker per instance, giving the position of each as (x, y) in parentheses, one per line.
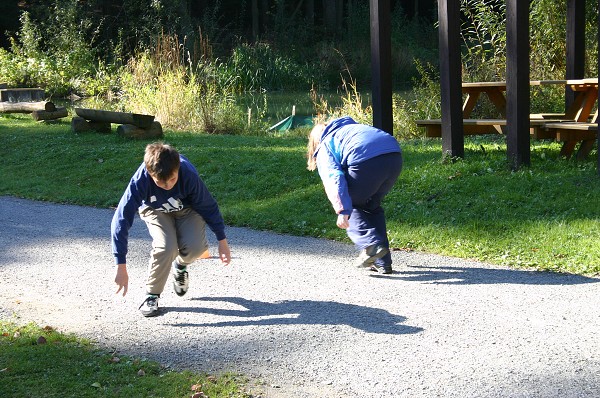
(48, 328)
(199, 395)
(196, 387)
(96, 385)
(141, 372)
(115, 359)
(41, 340)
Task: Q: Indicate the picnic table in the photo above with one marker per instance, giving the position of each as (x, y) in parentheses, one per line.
(576, 125)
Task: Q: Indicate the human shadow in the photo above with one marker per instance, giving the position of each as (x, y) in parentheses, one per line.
(300, 312)
(449, 275)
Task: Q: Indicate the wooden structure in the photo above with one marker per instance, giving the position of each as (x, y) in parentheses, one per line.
(22, 94)
(97, 115)
(576, 125)
(517, 72)
(132, 125)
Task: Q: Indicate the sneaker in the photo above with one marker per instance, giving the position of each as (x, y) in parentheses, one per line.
(181, 280)
(150, 306)
(367, 257)
(384, 269)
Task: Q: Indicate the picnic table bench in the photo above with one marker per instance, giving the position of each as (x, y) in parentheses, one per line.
(576, 125)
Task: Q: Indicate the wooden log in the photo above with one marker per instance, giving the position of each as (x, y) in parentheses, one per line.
(142, 121)
(59, 112)
(22, 94)
(27, 107)
(131, 131)
(80, 125)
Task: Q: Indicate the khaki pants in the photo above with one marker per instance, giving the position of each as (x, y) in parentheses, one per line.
(179, 235)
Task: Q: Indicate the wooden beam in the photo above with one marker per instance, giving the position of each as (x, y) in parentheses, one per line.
(453, 141)
(517, 83)
(575, 45)
(381, 65)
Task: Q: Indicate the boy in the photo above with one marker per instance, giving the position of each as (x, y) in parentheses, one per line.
(176, 205)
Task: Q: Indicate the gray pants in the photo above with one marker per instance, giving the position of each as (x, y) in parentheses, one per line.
(179, 235)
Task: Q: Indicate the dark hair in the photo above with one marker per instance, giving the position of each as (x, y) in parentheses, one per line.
(161, 160)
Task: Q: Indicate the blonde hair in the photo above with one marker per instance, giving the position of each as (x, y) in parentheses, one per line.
(314, 139)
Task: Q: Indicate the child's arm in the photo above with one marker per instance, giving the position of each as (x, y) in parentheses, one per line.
(122, 278)
(224, 252)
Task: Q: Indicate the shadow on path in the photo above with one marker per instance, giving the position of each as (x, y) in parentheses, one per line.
(482, 276)
(300, 312)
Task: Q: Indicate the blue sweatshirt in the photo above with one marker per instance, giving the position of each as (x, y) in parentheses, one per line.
(189, 191)
(346, 143)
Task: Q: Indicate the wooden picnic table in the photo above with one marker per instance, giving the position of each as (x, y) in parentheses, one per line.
(576, 125)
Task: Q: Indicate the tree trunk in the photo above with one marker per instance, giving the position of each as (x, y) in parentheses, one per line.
(26, 107)
(131, 131)
(142, 121)
(59, 112)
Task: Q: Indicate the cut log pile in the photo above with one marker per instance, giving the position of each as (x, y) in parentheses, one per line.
(131, 125)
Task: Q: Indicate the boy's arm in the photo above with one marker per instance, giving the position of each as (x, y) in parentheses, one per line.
(122, 278)
(224, 252)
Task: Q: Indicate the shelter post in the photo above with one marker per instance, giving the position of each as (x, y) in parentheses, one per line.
(517, 83)
(381, 65)
(575, 45)
(453, 143)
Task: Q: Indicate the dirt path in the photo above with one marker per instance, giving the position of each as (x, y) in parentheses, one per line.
(293, 314)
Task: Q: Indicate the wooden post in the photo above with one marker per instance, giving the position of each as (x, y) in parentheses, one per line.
(575, 45)
(453, 141)
(517, 83)
(381, 65)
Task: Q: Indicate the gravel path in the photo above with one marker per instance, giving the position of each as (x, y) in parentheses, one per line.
(292, 314)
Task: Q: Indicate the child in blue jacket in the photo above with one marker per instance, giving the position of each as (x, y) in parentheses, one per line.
(176, 205)
(359, 165)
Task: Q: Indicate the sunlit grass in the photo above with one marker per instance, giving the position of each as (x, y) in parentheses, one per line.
(545, 216)
(41, 362)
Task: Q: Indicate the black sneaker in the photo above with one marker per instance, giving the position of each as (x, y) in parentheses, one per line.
(150, 306)
(181, 280)
(367, 257)
(384, 269)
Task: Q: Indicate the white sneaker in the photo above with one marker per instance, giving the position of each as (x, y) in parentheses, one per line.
(181, 280)
(150, 306)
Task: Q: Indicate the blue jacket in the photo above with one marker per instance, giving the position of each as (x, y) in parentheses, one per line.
(346, 143)
(189, 191)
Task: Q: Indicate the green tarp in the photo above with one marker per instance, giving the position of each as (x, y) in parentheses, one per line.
(291, 122)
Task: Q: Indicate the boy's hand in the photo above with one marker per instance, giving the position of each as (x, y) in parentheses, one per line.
(122, 278)
(224, 252)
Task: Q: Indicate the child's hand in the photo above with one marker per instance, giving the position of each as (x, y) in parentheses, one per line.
(342, 221)
(224, 252)
(122, 278)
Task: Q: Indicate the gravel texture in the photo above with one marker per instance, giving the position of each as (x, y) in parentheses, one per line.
(295, 316)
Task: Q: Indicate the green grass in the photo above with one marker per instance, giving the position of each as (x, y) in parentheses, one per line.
(543, 217)
(65, 366)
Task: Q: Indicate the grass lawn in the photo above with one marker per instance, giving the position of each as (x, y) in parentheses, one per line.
(543, 217)
(40, 362)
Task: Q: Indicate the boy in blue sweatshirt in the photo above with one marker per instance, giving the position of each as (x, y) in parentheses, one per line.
(176, 205)
(359, 165)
